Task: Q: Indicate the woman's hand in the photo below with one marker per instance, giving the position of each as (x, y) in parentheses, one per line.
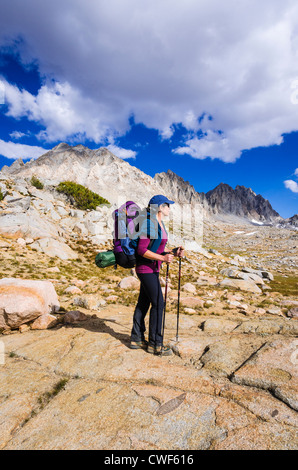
(168, 258)
(180, 252)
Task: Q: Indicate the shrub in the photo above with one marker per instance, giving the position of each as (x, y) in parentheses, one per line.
(80, 196)
(1, 196)
(36, 182)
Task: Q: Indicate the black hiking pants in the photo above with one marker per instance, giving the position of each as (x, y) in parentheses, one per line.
(150, 294)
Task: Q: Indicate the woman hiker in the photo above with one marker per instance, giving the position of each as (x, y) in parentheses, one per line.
(151, 253)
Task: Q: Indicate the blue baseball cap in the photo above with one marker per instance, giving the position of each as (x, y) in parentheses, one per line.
(159, 199)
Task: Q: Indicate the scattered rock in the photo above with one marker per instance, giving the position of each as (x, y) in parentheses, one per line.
(192, 302)
(55, 269)
(81, 302)
(188, 348)
(293, 313)
(248, 286)
(129, 282)
(21, 242)
(44, 322)
(54, 248)
(74, 316)
(189, 287)
(24, 328)
(190, 311)
(112, 298)
(72, 290)
(260, 311)
(274, 311)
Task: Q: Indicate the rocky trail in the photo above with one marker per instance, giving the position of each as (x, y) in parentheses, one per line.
(231, 383)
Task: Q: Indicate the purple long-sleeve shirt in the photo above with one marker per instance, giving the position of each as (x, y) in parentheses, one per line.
(150, 266)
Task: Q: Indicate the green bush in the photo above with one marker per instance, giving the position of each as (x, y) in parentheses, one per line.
(80, 196)
(1, 196)
(36, 183)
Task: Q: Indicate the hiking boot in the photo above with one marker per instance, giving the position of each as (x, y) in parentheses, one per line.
(163, 351)
(151, 349)
(159, 350)
(139, 344)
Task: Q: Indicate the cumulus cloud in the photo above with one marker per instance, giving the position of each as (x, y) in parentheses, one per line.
(292, 185)
(64, 112)
(121, 152)
(17, 135)
(166, 63)
(13, 151)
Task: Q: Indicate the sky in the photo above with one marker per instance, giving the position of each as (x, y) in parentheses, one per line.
(206, 88)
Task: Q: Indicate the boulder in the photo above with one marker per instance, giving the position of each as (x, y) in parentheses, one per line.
(74, 316)
(18, 203)
(26, 224)
(188, 348)
(54, 248)
(192, 302)
(293, 313)
(248, 286)
(190, 311)
(129, 282)
(260, 311)
(246, 276)
(274, 310)
(82, 302)
(22, 301)
(73, 290)
(189, 287)
(44, 322)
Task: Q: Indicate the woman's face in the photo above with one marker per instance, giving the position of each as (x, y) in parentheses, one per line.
(165, 209)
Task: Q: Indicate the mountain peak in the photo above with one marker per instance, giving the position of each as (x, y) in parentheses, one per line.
(240, 201)
(61, 146)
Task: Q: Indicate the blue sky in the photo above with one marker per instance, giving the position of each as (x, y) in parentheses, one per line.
(207, 90)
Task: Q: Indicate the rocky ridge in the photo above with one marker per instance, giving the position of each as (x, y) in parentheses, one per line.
(242, 202)
(117, 181)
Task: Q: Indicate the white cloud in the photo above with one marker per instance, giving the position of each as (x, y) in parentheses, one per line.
(64, 112)
(164, 62)
(13, 151)
(121, 152)
(296, 172)
(292, 185)
(17, 135)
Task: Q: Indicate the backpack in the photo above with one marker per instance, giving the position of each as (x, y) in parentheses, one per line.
(125, 238)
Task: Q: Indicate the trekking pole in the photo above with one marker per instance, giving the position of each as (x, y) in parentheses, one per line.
(165, 304)
(178, 306)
